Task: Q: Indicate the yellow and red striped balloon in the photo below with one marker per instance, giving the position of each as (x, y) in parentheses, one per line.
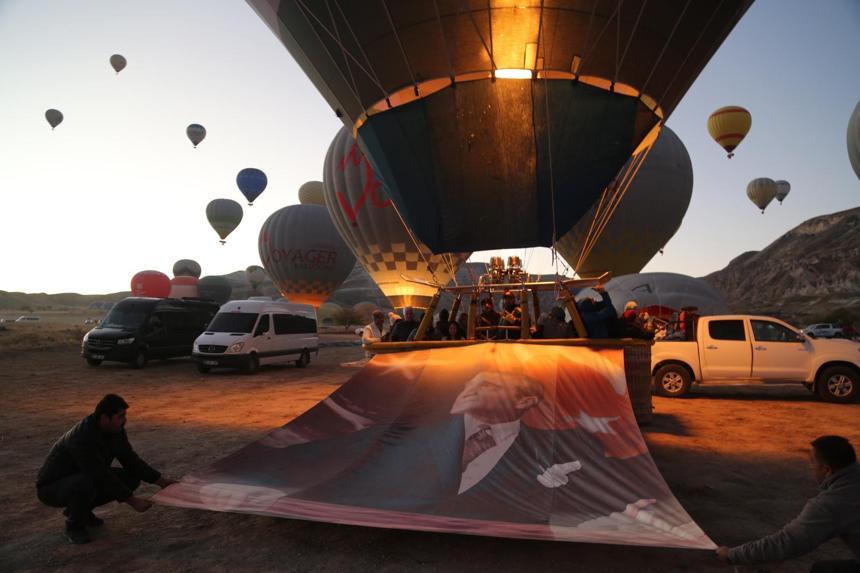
(728, 126)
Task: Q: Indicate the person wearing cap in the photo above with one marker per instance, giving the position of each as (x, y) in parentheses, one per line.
(488, 317)
(374, 332)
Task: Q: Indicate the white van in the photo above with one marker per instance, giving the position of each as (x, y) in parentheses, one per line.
(247, 333)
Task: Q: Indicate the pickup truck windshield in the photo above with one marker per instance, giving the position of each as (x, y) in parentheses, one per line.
(233, 322)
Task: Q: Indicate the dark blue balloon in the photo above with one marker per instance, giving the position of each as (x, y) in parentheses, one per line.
(251, 183)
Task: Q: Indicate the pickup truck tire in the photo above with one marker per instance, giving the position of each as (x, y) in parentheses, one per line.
(838, 384)
(672, 381)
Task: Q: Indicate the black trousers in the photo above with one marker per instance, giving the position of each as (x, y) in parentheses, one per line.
(840, 566)
(79, 494)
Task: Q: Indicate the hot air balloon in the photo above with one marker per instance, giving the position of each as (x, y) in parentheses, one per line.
(54, 117)
(311, 193)
(186, 268)
(481, 121)
(256, 276)
(196, 133)
(728, 126)
(303, 253)
(150, 283)
(761, 191)
(368, 222)
(214, 288)
(224, 215)
(645, 218)
(854, 139)
(251, 183)
(184, 287)
(117, 62)
(671, 291)
(782, 189)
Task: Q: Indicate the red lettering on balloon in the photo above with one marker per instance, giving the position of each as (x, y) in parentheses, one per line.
(371, 185)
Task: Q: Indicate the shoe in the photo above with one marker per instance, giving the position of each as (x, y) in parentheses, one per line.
(92, 519)
(77, 534)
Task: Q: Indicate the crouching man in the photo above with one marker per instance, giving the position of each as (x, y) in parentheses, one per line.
(77, 474)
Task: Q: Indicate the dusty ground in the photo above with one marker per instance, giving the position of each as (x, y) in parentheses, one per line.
(735, 457)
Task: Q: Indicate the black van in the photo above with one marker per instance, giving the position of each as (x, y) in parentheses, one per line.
(137, 329)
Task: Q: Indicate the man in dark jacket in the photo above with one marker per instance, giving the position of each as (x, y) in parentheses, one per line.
(598, 316)
(834, 512)
(400, 332)
(77, 474)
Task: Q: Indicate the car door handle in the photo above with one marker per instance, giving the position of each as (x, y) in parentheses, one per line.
(761, 347)
(711, 347)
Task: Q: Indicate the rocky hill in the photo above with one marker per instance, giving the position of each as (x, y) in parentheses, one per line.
(810, 274)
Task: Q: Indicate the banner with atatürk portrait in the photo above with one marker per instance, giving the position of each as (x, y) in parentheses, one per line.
(493, 439)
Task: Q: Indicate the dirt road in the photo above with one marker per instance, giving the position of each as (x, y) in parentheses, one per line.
(736, 459)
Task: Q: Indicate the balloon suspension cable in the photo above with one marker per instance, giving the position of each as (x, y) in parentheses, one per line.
(417, 246)
(374, 75)
(400, 45)
(342, 48)
(451, 73)
(665, 45)
(488, 49)
(602, 218)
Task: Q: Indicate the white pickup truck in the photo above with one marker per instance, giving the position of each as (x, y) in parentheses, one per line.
(756, 349)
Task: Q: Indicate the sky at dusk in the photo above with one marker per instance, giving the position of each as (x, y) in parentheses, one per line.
(118, 188)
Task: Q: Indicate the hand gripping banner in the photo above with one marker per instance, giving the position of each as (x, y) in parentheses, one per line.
(493, 439)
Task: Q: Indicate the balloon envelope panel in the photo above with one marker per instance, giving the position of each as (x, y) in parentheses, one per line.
(150, 283)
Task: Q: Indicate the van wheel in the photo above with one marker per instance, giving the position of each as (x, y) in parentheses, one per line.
(203, 369)
(252, 366)
(93, 361)
(139, 360)
(304, 359)
(838, 384)
(672, 381)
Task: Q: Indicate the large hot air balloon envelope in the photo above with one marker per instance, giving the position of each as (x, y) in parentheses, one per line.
(214, 288)
(150, 283)
(761, 191)
(368, 222)
(728, 126)
(186, 268)
(782, 190)
(196, 133)
(311, 193)
(54, 117)
(304, 254)
(251, 183)
(474, 160)
(224, 215)
(854, 139)
(117, 62)
(647, 216)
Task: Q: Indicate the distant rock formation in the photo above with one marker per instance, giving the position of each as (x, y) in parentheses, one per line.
(810, 274)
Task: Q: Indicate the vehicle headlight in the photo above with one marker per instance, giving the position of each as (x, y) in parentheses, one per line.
(124, 341)
(237, 347)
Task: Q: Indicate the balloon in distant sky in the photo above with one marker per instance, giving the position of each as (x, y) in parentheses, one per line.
(728, 126)
(304, 254)
(251, 183)
(186, 268)
(54, 117)
(761, 191)
(311, 193)
(782, 189)
(854, 139)
(196, 133)
(117, 62)
(150, 283)
(215, 288)
(224, 215)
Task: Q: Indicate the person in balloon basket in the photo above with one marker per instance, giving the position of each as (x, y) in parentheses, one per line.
(403, 328)
(376, 331)
(488, 317)
(512, 315)
(77, 474)
(597, 316)
(834, 512)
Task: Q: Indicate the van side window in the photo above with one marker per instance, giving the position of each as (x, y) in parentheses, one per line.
(727, 330)
(262, 326)
(294, 324)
